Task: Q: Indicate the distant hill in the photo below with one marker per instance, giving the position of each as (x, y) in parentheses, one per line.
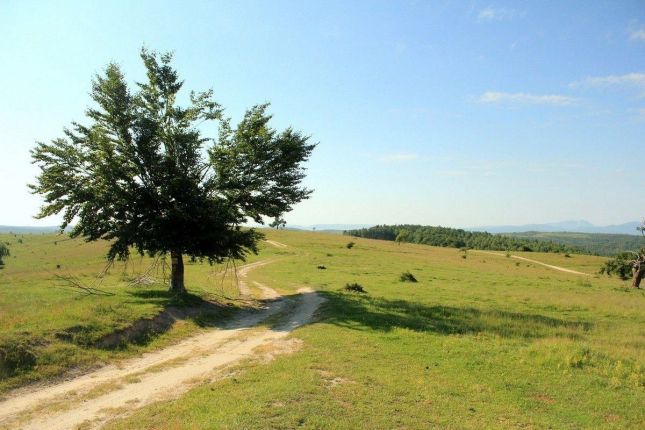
(335, 228)
(457, 238)
(580, 226)
(595, 243)
(27, 229)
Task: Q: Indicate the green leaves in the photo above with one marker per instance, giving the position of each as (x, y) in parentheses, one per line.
(626, 264)
(620, 266)
(137, 174)
(258, 168)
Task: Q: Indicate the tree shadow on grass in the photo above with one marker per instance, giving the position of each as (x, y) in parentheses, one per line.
(98, 335)
(374, 313)
(191, 307)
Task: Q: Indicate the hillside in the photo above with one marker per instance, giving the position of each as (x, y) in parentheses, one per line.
(16, 229)
(457, 238)
(579, 226)
(594, 243)
(480, 341)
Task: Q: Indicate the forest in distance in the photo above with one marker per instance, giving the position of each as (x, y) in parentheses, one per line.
(604, 244)
(571, 243)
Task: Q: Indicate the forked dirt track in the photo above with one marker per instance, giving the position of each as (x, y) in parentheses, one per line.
(114, 391)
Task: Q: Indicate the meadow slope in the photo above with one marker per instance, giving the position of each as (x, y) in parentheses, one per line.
(479, 342)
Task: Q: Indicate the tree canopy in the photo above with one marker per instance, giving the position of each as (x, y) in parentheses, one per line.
(142, 175)
(457, 238)
(627, 264)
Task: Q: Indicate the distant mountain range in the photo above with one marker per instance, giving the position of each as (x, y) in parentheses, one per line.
(317, 227)
(28, 229)
(580, 226)
(328, 227)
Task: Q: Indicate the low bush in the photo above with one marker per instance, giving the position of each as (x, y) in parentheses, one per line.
(15, 355)
(354, 288)
(407, 277)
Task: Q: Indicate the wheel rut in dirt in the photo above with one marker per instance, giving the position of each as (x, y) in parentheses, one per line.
(92, 399)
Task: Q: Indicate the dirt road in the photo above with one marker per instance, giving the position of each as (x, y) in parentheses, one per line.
(276, 244)
(517, 257)
(114, 391)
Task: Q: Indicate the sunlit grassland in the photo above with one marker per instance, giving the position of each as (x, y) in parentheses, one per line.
(48, 327)
(582, 263)
(478, 342)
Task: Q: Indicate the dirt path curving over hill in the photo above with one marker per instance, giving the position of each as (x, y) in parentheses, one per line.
(551, 266)
(115, 391)
(276, 244)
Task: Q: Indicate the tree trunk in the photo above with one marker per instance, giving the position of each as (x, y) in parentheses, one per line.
(177, 274)
(638, 275)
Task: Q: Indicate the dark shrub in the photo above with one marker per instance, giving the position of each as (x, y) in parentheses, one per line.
(354, 288)
(15, 355)
(621, 265)
(350, 245)
(407, 277)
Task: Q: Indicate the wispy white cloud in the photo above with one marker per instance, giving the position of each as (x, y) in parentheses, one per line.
(452, 173)
(637, 34)
(400, 157)
(494, 97)
(637, 79)
(497, 14)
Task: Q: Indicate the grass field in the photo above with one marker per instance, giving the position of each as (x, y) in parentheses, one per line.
(478, 342)
(48, 327)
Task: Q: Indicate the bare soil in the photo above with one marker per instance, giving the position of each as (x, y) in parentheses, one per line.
(114, 391)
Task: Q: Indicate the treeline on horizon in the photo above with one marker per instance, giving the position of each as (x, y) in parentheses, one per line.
(457, 238)
(595, 243)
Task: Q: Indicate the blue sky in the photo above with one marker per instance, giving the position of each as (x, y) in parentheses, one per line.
(443, 113)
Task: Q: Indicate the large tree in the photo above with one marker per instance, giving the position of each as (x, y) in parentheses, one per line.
(142, 175)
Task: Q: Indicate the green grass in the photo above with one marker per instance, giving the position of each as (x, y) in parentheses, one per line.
(476, 343)
(48, 328)
(479, 342)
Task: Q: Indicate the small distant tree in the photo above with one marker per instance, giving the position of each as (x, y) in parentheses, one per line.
(402, 236)
(142, 175)
(278, 223)
(4, 252)
(628, 264)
